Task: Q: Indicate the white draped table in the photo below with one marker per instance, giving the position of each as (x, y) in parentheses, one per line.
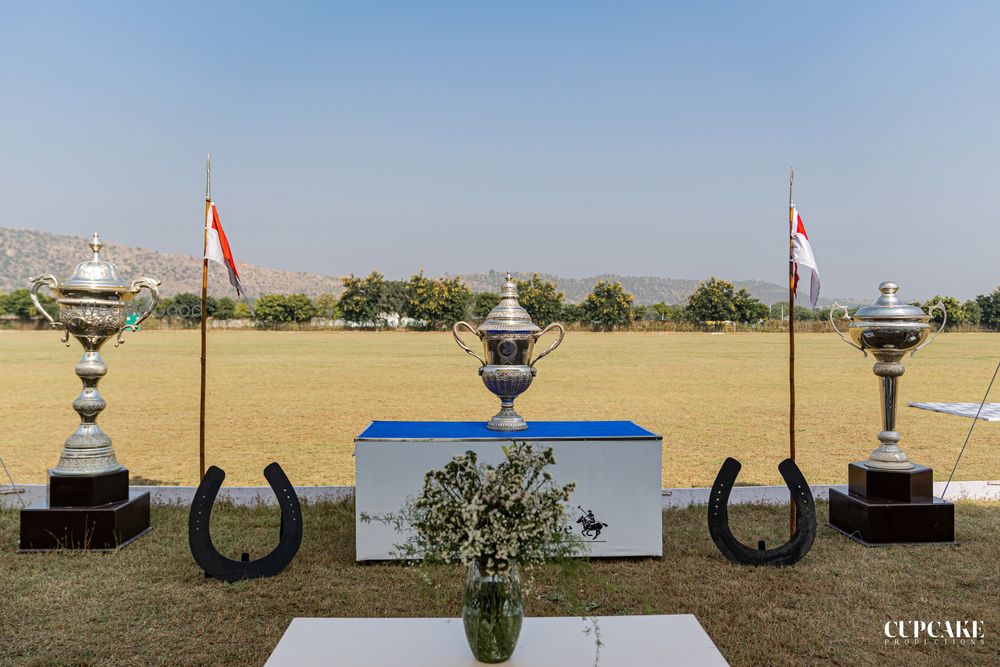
(990, 412)
(617, 507)
(626, 641)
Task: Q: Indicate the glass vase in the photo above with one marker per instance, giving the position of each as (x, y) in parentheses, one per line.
(492, 612)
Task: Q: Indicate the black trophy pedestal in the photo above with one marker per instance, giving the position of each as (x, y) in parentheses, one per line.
(92, 512)
(892, 507)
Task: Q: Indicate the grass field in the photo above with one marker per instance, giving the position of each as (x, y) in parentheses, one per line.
(299, 398)
(149, 604)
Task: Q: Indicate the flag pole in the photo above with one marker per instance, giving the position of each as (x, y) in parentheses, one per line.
(204, 313)
(791, 340)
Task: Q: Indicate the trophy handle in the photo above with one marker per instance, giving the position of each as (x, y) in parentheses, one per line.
(137, 285)
(562, 334)
(36, 284)
(840, 333)
(471, 329)
(937, 306)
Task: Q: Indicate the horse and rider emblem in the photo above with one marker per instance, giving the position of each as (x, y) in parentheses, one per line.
(591, 526)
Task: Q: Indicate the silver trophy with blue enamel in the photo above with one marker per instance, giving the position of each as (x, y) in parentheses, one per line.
(507, 368)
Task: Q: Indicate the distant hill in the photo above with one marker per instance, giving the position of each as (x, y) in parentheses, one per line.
(25, 252)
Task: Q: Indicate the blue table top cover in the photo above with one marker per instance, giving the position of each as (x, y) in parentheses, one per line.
(564, 430)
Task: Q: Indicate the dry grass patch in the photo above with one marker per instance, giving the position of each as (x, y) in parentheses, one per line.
(149, 605)
(300, 398)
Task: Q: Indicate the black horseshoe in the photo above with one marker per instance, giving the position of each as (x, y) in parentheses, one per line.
(788, 553)
(200, 538)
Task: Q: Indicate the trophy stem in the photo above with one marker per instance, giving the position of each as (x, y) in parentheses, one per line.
(88, 451)
(507, 419)
(889, 455)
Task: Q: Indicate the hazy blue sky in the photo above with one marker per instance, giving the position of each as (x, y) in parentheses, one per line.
(570, 138)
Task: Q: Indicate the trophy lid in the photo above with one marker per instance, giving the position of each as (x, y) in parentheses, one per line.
(508, 316)
(95, 274)
(889, 307)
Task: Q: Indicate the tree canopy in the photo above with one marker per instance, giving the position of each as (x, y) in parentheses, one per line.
(362, 299)
(608, 306)
(541, 299)
(440, 302)
(18, 303)
(284, 308)
(989, 309)
(716, 300)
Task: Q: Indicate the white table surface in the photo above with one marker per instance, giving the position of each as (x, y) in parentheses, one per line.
(990, 411)
(628, 641)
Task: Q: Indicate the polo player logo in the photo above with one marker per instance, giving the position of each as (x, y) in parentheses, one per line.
(591, 526)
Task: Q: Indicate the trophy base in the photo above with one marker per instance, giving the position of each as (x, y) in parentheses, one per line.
(103, 528)
(507, 420)
(885, 507)
(92, 512)
(87, 490)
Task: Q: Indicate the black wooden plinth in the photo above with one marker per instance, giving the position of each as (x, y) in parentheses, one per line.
(88, 490)
(913, 485)
(105, 527)
(892, 507)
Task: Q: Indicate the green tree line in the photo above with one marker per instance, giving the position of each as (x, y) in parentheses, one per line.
(373, 302)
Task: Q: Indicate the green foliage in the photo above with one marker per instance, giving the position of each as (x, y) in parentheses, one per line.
(640, 312)
(973, 312)
(362, 299)
(573, 312)
(483, 303)
(187, 306)
(663, 312)
(608, 306)
(438, 301)
(803, 314)
(223, 308)
(989, 309)
(274, 309)
(749, 309)
(327, 306)
(540, 298)
(162, 309)
(517, 512)
(19, 303)
(242, 311)
(396, 297)
(779, 311)
(270, 309)
(712, 301)
(955, 308)
(300, 307)
(716, 300)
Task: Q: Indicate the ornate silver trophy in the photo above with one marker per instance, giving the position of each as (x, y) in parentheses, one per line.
(889, 329)
(508, 337)
(93, 306)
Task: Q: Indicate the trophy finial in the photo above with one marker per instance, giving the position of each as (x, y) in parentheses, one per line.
(96, 244)
(888, 287)
(509, 288)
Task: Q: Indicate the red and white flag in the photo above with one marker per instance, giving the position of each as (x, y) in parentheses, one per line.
(217, 248)
(802, 255)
